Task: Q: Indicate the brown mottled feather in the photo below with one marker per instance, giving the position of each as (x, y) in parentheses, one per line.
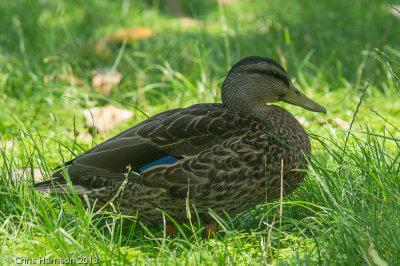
(222, 154)
(226, 166)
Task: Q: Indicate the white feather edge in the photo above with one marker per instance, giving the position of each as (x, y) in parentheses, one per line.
(63, 188)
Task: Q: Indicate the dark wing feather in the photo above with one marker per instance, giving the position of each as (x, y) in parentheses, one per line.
(180, 133)
(118, 143)
(115, 156)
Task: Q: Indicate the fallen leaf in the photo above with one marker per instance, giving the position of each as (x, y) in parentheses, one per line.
(302, 120)
(26, 173)
(129, 34)
(176, 8)
(250, 17)
(395, 10)
(226, 2)
(64, 77)
(187, 22)
(341, 123)
(335, 121)
(74, 80)
(103, 81)
(106, 118)
(10, 144)
(264, 29)
(85, 136)
(47, 78)
(98, 46)
(321, 120)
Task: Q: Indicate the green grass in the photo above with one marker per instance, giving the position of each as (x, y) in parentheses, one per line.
(345, 212)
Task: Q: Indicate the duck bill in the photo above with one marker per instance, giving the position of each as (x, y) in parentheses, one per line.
(295, 97)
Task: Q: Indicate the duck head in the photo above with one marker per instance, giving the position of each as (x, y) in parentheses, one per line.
(255, 81)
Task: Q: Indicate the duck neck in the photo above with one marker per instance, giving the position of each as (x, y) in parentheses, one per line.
(246, 107)
(242, 103)
(241, 94)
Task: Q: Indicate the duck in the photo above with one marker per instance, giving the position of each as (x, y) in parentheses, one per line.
(226, 157)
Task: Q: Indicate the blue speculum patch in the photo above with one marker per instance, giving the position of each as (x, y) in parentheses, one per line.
(169, 159)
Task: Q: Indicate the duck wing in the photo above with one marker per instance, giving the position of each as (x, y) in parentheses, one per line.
(179, 133)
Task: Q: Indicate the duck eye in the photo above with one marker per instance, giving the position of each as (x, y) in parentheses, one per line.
(282, 96)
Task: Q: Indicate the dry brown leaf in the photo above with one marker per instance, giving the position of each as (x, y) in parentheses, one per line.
(250, 17)
(176, 8)
(341, 123)
(47, 78)
(71, 78)
(26, 173)
(130, 34)
(335, 121)
(10, 144)
(264, 29)
(187, 22)
(106, 118)
(302, 120)
(226, 2)
(321, 120)
(395, 10)
(100, 47)
(85, 136)
(103, 81)
(64, 77)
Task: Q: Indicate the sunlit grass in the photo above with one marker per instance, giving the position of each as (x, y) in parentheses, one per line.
(346, 210)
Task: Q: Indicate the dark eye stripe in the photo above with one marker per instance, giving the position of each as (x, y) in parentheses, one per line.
(282, 78)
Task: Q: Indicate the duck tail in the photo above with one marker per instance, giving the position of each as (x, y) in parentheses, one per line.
(60, 186)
